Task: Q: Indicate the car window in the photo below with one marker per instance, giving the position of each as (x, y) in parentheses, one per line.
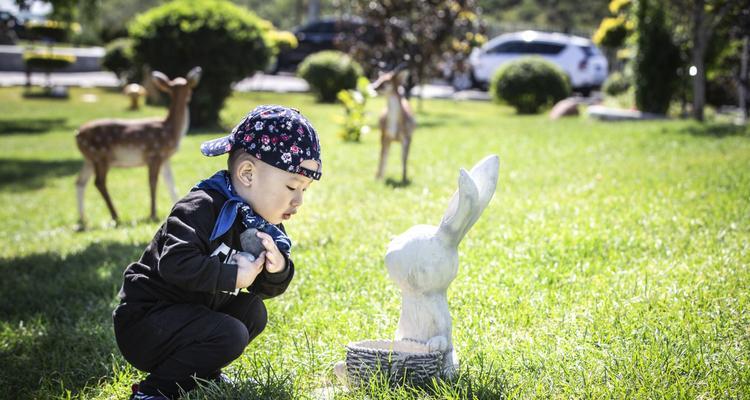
(521, 47)
(514, 46)
(543, 48)
(319, 27)
(586, 50)
(589, 50)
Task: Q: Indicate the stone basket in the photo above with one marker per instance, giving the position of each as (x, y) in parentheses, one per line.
(400, 362)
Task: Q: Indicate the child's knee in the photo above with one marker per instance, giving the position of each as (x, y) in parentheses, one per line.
(258, 319)
(236, 337)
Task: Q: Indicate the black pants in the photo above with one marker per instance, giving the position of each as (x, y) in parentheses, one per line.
(177, 343)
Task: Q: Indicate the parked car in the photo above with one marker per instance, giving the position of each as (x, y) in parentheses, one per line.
(323, 34)
(580, 59)
(10, 28)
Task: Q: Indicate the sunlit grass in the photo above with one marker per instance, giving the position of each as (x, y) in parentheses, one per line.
(612, 261)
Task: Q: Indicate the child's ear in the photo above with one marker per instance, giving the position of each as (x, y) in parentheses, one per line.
(245, 171)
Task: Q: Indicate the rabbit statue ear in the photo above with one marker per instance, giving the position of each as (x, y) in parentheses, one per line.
(484, 174)
(475, 190)
(460, 211)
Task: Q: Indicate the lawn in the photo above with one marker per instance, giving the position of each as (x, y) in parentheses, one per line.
(611, 263)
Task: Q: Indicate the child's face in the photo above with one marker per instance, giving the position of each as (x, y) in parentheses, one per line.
(274, 194)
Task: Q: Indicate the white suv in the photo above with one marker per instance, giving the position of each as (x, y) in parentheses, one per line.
(578, 57)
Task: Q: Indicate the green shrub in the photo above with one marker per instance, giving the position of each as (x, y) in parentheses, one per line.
(282, 40)
(616, 84)
(329, 72)
(226, 40)
(529, 84)
(656, 60)
(46, 61)
(354, 122)
(118, 58)
(49, 30)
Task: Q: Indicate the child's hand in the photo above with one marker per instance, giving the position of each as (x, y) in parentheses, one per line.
(275, 261)
(248, 270)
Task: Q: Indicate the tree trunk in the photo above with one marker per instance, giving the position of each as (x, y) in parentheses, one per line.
(743, 81)
(313, 10)
(700, 40)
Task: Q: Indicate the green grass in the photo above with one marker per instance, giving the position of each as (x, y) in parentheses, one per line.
(612, 261)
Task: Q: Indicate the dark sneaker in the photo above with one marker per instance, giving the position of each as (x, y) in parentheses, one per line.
(138, 395)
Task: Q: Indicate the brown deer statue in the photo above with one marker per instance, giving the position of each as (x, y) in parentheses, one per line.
(397, 121)
(110, 143)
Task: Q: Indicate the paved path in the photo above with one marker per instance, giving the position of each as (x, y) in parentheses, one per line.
(257, 83)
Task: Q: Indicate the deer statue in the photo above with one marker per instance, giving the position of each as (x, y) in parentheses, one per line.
(110, 143)
(134, 91)
(397, 121)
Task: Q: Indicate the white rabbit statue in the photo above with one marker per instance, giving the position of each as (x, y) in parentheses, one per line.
(423, 261)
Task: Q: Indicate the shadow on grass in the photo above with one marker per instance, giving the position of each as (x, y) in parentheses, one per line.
(397, 183)
(717, 130)
(21, 126)
(55, 320)
(33, 174)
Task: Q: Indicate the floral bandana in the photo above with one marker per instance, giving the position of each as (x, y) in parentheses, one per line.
(221, 183)
(276, 135)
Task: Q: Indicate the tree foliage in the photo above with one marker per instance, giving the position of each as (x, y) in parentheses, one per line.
(226, 40)
(558, 15)
(418, 34)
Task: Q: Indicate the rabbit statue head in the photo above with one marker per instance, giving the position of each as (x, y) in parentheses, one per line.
(423, 261)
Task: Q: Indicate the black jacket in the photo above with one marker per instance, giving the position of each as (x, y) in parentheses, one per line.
(181, 264)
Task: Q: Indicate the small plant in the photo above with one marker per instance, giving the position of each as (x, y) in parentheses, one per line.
(354, 122)
(328, 72)
(616, 83)
(529, 84)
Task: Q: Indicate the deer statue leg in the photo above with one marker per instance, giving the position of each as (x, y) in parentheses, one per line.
(385, 145)
(166, 173)
(153, 177)
(83, 178)
(100, 181)
(405, 143)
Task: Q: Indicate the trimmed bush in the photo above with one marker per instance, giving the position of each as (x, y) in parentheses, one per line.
(282, 40)
(616, 84)
(528, 84)
(329, 72)
(226, 40)
(54, 31)
(46, 61)
(118, 58)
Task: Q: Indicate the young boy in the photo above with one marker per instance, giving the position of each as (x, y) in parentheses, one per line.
(181, 314)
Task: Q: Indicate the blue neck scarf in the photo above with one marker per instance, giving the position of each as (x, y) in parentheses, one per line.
(221, 183)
